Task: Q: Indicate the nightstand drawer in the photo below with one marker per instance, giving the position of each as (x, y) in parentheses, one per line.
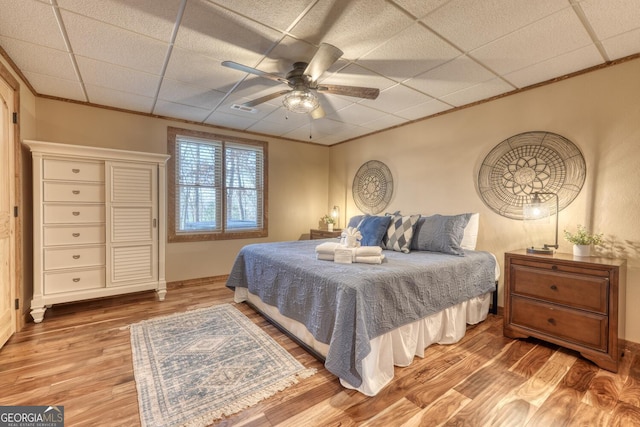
(579, 327)
(574, 290)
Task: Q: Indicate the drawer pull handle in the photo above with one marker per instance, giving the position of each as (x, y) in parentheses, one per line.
(76, 257)
(552, 321)
(75, 170)
(76, 191)
(76, 213)
(75, 234)
(554, 267)
(553, 287)
(76, 279)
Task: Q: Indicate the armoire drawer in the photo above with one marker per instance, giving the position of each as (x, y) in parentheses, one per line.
(73, 192)
(73, 214)
(73, 235)
(73, 257)
(71, 281)
(73, 170)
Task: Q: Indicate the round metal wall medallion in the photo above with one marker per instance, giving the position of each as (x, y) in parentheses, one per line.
(527, 163)
(372, 187)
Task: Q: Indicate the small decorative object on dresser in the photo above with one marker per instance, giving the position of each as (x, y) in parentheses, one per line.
(582, 240)
(315, 233)
(569, 301)
(329, 220)
(98, 223)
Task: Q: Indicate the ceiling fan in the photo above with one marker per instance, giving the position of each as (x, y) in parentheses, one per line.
(303, 81)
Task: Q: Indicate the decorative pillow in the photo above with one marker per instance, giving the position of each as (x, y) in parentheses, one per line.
(470, 236)
(400, 233)
(354, 221)
(441, 233)
(373, 229)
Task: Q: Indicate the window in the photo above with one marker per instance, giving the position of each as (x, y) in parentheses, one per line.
(217, 187)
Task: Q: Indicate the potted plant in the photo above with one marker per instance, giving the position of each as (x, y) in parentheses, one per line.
(582, 240)
(329, 220)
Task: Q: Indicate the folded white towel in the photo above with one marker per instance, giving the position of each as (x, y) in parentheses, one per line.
(369, 251)
(370, 259)
(351, 237)
(325, 257)
(327, 247)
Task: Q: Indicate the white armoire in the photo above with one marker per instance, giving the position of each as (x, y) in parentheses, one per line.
(99, 225)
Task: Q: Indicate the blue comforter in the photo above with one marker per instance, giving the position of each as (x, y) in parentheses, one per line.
(347, 305)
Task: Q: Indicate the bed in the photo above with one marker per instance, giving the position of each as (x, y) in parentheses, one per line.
(362, 319)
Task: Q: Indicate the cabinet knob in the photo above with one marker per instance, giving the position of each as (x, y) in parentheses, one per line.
(75, 170)
(553, 287)
(76, 257)
(552, 321)
(75, 213)
(76, 191)
(75, 234)
(554, 267)
(76, 279)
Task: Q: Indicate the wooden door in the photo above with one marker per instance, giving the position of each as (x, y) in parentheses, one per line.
(7, 223)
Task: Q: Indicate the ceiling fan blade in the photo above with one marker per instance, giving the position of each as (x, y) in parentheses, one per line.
(325, 57)
(250, 70)
(318, 113)
(356, 91)
(265, 98)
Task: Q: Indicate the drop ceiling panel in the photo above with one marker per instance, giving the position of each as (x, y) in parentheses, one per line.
(423, 110)
(278, 14)
(552, 36)
(54, 86)
(623, 45)
(607, 21)
(187, 94)
(117, 99)
(478, 92)
(181, 111)
(104, 42)
(112, 76)
(396, 97)
(470, 24)
(200, 70)
(30, 21)
(40, 59)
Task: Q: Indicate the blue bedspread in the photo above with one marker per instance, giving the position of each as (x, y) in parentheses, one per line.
(346, 305)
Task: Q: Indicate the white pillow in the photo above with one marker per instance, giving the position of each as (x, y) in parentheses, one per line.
(470, 236)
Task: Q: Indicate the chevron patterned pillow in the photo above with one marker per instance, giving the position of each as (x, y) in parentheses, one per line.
(400, 233)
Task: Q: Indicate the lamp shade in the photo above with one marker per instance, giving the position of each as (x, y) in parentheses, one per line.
(300, 101)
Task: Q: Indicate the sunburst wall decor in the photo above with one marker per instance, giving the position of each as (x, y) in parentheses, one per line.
(527, 163)
(372, 187)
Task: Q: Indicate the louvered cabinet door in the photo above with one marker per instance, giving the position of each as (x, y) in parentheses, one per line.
(132, 222)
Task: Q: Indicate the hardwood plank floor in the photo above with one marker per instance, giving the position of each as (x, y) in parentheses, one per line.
(80, 357)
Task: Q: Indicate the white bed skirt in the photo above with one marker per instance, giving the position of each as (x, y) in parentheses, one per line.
(395, 348)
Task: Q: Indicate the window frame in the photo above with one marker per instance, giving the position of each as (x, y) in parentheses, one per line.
(172, 235)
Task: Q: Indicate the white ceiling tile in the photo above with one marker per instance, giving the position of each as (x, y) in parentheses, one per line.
(39, 59)
(560, 65)
(606, 18)
(181, 111)
(419, 8)
(30, 21)
(622, 45)
(385, 122)
(277, 125)
(423, 110)
(186, 94)
(451, 77)
(356, 114)
(470, 24)
(97, 40)
(354, 75)
(555, 35)
(153, 18)
(113, 98)
(229, 120)
(111, 76)
(478, 92)
(274, 13)
(213, 31)
(395, 98)
(355, 26)
(289, 50)
(200, 70)
(53, 86)
(409, 53)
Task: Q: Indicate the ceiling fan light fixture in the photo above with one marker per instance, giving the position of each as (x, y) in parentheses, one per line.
(300, 101)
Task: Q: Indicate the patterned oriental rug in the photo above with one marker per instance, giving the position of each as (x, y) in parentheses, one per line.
(195, 367)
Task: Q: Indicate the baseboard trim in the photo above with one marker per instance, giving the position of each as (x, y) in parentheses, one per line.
(197, 282)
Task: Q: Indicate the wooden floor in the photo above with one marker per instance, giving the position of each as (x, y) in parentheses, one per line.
(80, 357)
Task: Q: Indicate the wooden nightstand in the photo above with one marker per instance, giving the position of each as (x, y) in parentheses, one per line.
(566, 300)
(315, 233)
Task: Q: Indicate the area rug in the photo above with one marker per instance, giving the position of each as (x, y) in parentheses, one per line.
(195, 367)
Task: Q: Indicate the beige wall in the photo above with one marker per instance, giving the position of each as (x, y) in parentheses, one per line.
(298, 177)
(435, 164)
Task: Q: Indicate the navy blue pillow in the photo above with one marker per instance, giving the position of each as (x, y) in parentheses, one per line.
(354, 221)
(373, 229)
